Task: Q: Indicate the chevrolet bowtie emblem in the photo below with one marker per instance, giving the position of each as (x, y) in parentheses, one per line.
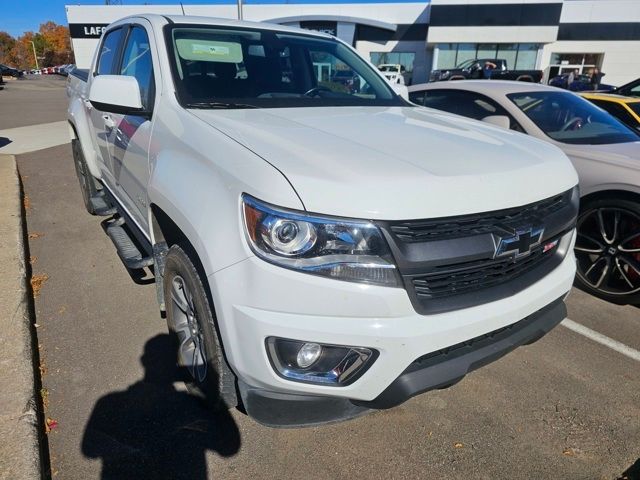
(520, 242)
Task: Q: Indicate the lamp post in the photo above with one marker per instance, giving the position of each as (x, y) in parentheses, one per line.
(34, 54)
(239, 9)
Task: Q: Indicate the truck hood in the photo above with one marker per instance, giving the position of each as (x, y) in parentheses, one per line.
(399, 162)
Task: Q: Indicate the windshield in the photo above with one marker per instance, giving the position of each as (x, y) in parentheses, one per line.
(568, 118)
(467, 63)
(635, 107)
(228, 67)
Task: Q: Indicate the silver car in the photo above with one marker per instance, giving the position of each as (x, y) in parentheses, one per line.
(605, 152)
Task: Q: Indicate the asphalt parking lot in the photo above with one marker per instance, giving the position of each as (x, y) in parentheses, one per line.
(565, 407)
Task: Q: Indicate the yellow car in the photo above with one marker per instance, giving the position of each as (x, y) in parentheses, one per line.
(625, 109)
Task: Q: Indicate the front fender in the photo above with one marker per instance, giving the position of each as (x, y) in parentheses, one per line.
(200, 187)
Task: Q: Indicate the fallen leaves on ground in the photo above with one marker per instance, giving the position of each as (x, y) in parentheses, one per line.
(458, 445)
(44, 394)
(33, 259)
(37, 281)
(50, 424)
(36, 235)
(26, 202)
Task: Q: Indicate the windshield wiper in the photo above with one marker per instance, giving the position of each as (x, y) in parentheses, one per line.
(220, 105)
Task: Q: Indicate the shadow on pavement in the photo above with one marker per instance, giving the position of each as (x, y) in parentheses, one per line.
(632, 473)
(4, 141)
(151, 430)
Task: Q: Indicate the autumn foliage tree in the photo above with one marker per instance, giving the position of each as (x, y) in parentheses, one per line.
(52, 45)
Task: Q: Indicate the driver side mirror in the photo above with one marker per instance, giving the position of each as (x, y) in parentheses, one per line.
(116, 94)
(401, 90)
(501, 121)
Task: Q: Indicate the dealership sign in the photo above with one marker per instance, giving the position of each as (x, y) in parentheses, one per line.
(87, 30)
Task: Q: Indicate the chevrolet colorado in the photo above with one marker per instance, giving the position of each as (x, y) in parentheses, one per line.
(318, 252)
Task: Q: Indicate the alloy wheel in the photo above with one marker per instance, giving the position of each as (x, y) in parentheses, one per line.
(608, 250)
(191, 349)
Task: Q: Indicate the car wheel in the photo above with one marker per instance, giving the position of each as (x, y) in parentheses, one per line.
(191, 318)
(85, 179)
(608, 250)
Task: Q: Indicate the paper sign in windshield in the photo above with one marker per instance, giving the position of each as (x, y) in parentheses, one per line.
(209, 51)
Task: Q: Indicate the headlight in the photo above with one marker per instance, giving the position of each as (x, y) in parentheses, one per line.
(352, 250)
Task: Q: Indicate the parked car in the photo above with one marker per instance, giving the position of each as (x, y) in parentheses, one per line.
(605, 152)
(474, 70)
(625, 109)
(304, 260)
(8, 71)
(395, 73)
(631, 89)
(581, 83)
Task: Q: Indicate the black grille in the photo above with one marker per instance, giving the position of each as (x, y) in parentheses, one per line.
(469, 276)
(450, 263)
(477, 224)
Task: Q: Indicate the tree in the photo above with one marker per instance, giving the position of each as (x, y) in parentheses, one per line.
(52, 45)
(6, 44)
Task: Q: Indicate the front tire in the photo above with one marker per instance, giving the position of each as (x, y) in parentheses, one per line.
(608, 250)
(191, 318)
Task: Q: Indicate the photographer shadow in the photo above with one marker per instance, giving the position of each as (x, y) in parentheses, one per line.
(152, 430)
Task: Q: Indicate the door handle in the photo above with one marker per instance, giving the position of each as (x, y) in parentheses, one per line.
(108, 121)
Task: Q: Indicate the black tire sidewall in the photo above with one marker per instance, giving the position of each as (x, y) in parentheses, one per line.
(585, 209)
(87, 187)
(179, 262)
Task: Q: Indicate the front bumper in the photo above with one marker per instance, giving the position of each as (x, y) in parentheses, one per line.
(255, 300)
(439, 369)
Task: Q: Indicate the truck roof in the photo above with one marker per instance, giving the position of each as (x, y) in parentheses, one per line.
(222, 22)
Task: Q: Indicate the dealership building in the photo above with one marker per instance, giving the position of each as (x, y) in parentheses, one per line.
(550, 35)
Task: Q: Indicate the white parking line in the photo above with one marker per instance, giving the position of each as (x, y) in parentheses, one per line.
(602, 339)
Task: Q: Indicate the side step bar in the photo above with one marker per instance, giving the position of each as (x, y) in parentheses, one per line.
(127, 249)
(101, 207)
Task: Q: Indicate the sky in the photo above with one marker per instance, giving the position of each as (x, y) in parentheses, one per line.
(19, 16)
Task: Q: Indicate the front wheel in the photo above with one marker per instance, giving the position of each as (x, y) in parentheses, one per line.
(190, 317)
(608, 250)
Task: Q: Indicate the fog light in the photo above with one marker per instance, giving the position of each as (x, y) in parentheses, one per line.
(308, 354)
(322, 364)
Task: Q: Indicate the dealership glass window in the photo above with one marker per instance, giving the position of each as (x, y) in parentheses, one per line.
(466, 51)
(527, 55)
(508, 51)
(583, 62)
(447, 53)
(487, 50)
(405, 59)
(522, 56)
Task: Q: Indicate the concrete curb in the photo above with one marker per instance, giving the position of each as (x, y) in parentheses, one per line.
(19, 425)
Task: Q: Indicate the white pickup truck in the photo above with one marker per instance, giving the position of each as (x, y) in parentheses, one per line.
(318, 253)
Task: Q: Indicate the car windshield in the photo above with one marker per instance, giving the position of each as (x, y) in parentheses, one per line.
(229, 67)
(568, 118)
(467, 63)
(635, 107)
